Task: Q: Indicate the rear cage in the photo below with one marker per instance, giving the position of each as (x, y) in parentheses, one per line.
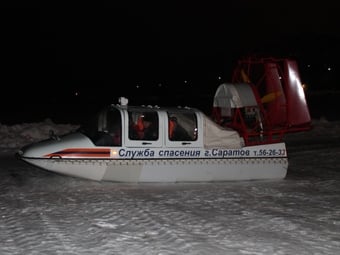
(278, 106)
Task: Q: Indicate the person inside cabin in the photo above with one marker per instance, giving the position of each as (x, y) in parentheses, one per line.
(143, 126)
(150, 129)
(116, 135)
(177, 132)
(108, 137)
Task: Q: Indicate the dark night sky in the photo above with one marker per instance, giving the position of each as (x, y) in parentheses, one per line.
(51, 54)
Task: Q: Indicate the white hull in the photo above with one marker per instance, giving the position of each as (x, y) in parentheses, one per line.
(207, 152)
(168, 170)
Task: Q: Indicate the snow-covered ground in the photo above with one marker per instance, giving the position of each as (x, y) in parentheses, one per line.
(45, 213)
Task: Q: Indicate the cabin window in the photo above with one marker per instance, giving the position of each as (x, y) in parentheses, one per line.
(143, 125)
(182, 126)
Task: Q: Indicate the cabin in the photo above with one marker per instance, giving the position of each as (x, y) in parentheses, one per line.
(155, 127)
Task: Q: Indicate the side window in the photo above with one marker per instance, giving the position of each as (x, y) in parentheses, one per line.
(143, 125)
(182, 126)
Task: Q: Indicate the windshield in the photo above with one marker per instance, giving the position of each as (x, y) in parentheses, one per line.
(105, 128)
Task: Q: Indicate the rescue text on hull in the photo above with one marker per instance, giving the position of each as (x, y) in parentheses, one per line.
(152, 144)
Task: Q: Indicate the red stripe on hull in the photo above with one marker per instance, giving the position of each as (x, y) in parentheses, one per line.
(80, 153)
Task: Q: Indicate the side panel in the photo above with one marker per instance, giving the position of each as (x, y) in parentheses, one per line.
(194, 170)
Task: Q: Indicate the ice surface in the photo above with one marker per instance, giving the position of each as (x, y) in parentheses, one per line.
(46, 213)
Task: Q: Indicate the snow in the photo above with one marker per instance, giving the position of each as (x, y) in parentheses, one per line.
(46, 213)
